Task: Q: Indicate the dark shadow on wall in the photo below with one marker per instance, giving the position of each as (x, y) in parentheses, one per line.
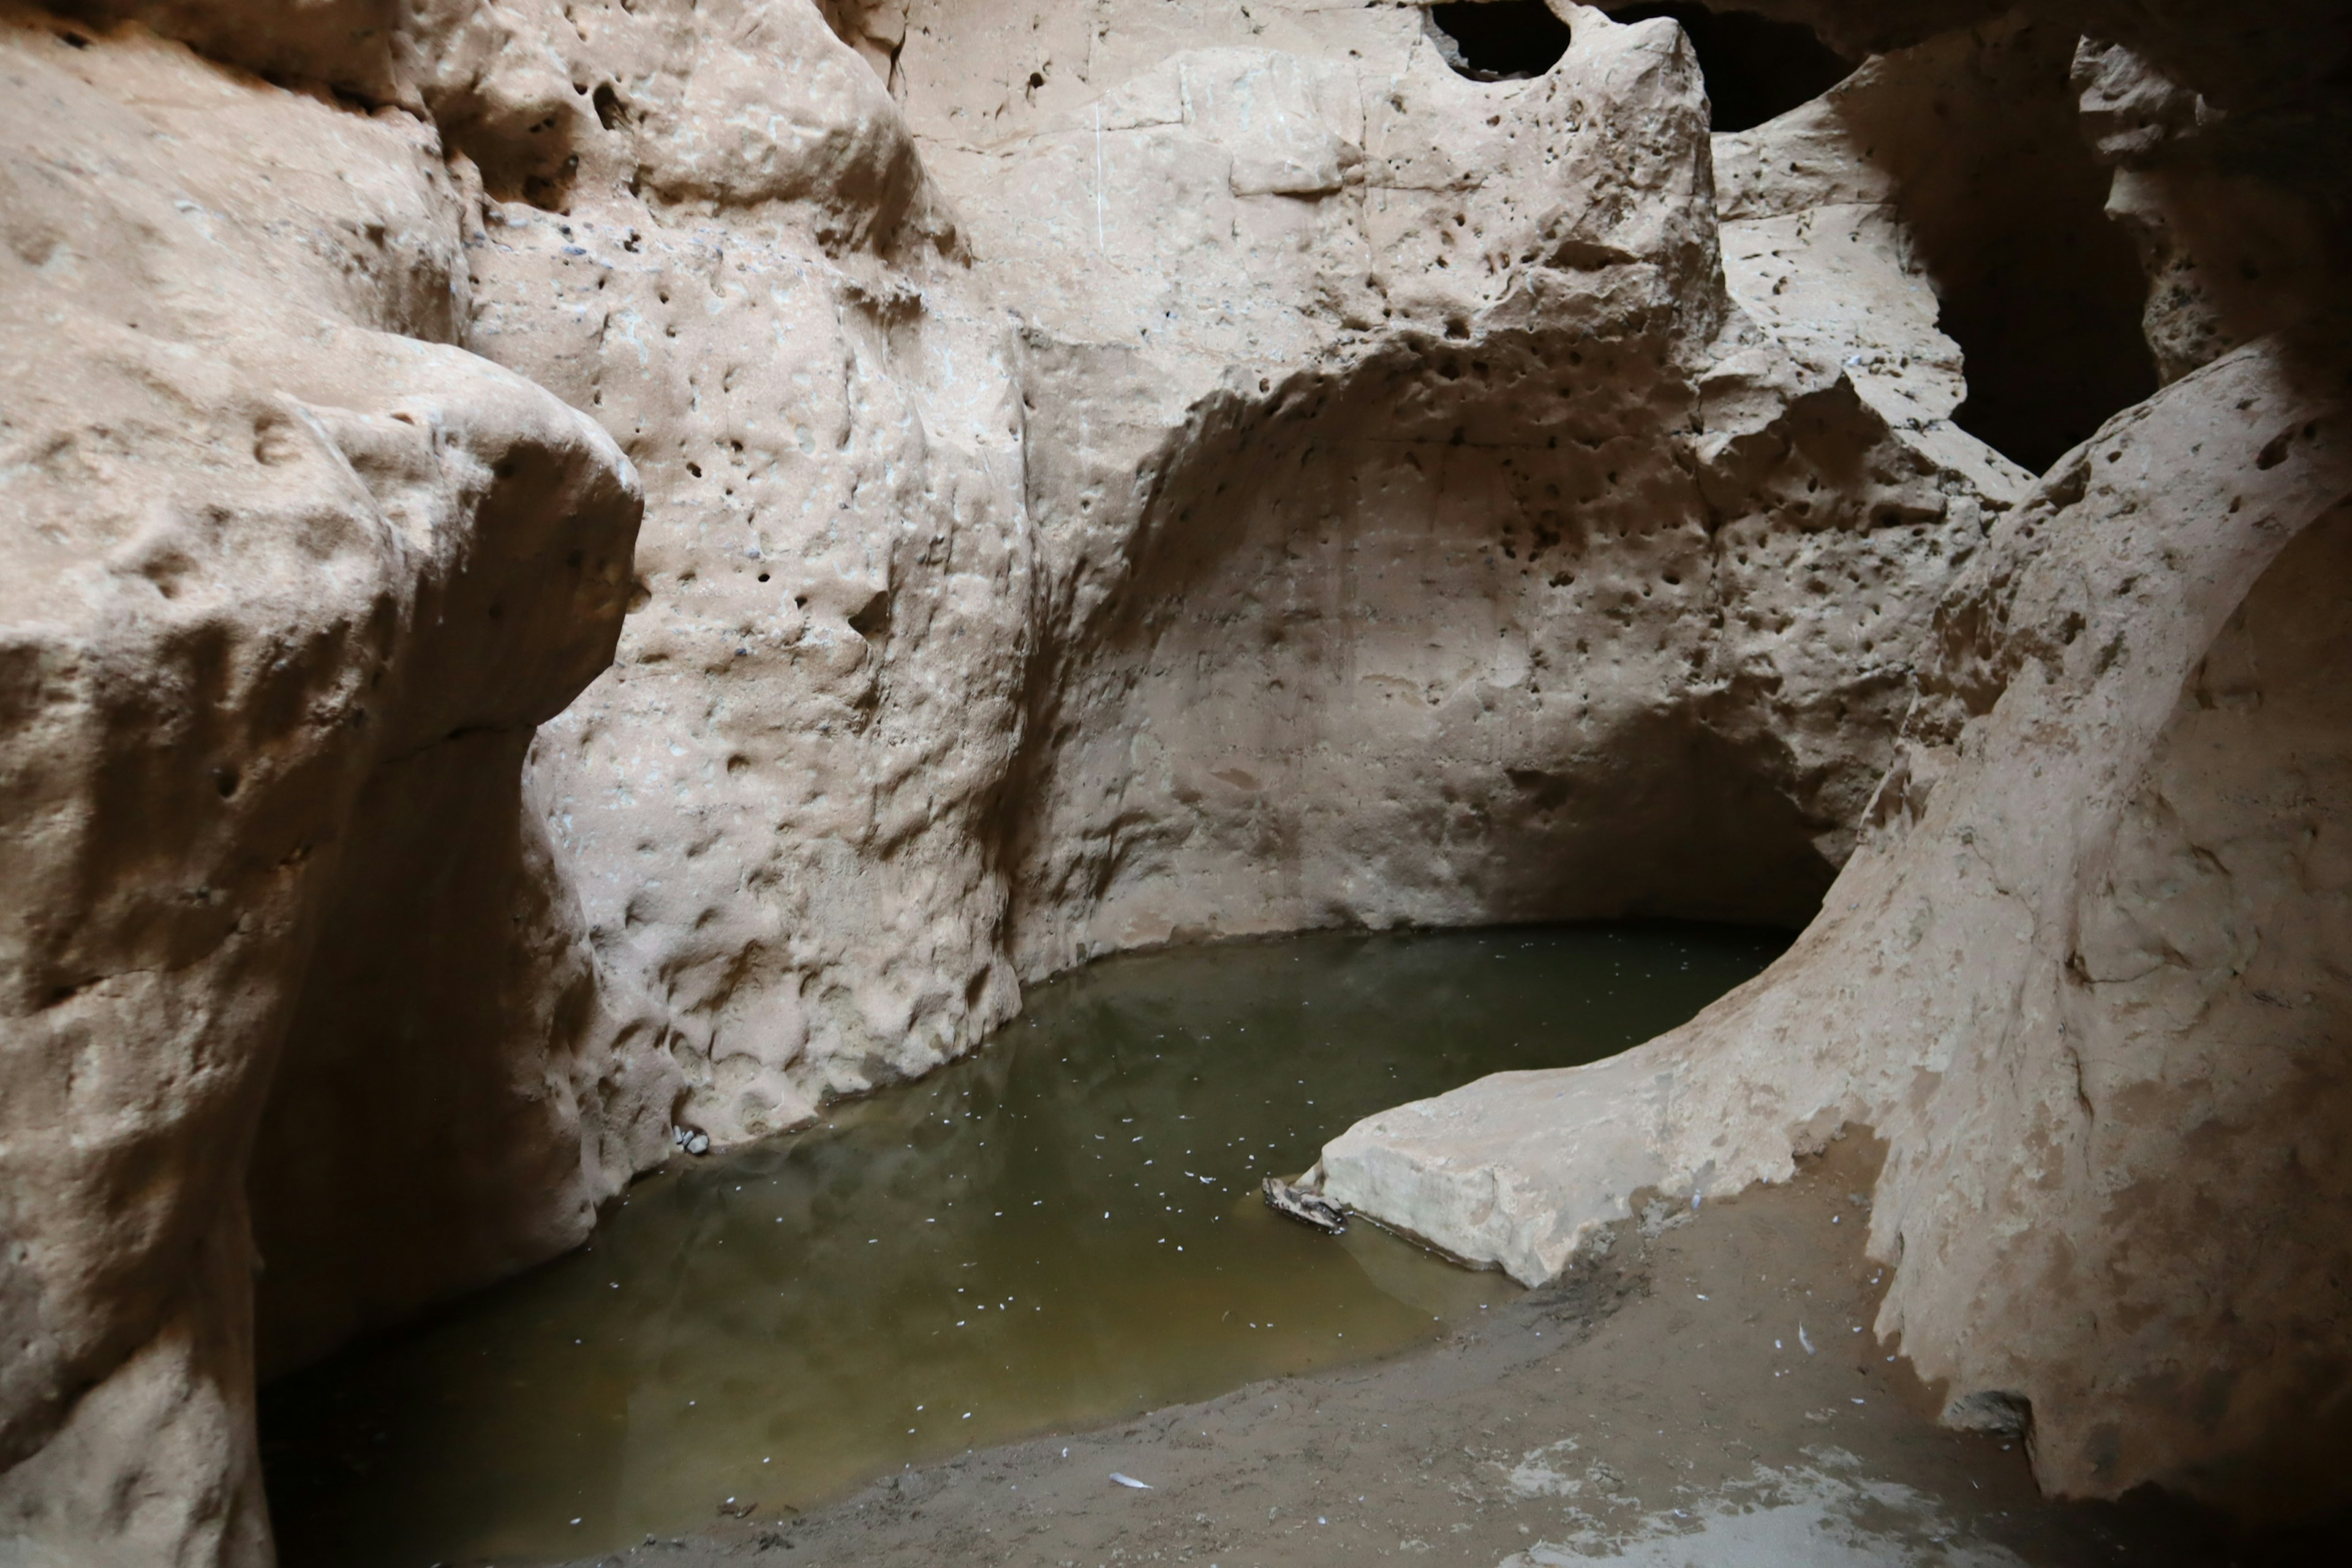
(1756, 68)
(2041, 291)
(1498, 40)
(421, 1138)
(1420, 643)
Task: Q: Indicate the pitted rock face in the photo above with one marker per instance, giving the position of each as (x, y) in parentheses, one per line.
(1276, 316)
(1112, 474)
(275, 553)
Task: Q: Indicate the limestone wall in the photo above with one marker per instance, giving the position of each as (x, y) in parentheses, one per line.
(289, 575)
(583, 577)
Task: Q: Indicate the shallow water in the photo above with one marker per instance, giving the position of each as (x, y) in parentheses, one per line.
(1060, 1231)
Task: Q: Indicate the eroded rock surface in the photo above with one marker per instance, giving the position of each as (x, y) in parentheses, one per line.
(954, 663)
(284, 570)
(1131, 472)
(2089, 1004)
(2078, 1075)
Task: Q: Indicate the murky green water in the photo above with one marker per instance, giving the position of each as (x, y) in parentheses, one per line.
(1063, 1230)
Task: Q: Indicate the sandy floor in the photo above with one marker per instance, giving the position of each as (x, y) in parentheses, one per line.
(1657, 1410)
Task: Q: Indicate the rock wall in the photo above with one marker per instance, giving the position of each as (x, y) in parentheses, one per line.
(921, 499)
(288, 570)
(1130, 472)
(2085, 972)
(2086, 977)
(778, 801)
(1349, 343)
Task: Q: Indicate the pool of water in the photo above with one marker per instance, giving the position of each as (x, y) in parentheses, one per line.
(1062, 1230)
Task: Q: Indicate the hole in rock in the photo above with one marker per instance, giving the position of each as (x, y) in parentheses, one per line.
(1756, 68)
(1063, 1230)
(1498, 40)
(2008, 206)
(872, 619)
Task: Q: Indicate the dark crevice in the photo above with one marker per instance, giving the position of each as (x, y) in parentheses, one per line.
(2039, 289)
(1498, 40)
(1756, 68)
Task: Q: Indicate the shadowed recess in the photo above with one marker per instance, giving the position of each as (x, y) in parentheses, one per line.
(2041, 291)
(1498, 40)
(1756, 68)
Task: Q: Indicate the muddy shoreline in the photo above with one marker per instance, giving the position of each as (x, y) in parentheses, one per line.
(1655, 1407)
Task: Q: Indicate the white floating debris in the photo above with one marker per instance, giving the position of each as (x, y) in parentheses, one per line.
(1126, 1480)
(1804, 1340)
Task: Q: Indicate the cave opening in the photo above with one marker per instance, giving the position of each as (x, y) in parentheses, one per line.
(1498, 40)
(2043, 291)
(1756, 68)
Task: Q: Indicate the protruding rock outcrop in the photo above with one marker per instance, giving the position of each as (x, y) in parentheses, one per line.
(290, 584)
(2082, 976)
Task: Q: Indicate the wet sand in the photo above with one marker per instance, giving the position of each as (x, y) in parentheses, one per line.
(1640, 1412)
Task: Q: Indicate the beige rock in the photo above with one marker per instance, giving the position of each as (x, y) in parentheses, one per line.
(2079, 978)
(891, 724)
(778, 802)
(1425, 522)
(1122, 473)
(275, 557)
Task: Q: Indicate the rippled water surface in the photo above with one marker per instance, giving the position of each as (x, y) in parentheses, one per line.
(1060, 1231)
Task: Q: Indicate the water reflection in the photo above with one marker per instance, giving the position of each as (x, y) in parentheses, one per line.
(1060, 1231)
